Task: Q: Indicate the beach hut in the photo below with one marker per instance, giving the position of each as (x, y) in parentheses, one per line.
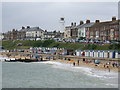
(105, 54)
(92, 53)
(111, 54)
(98, 53)
(78, 52)
(70, 51)
(95, 53)
(101, 54)
(117, 54)
(88, 53)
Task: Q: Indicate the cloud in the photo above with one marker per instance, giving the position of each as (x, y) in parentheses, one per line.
(47, 14)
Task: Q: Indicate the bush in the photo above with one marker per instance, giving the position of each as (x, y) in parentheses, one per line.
(114, 47)
(47, 43)
(90, 46)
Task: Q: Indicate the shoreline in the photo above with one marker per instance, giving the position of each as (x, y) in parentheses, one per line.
(89, 65)
(83, 64)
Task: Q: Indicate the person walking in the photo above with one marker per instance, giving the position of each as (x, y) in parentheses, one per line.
(78, 62)
(73, 63)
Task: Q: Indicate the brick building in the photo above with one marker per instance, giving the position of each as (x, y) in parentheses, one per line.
(11, 35)
(108, 30)
(71, 32)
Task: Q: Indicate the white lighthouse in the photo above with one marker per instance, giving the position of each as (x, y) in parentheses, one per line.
(62, 24)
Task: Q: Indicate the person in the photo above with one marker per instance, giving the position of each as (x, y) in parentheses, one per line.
(78, 62)
(113, 64)
(104, 65)
(73, 63)
(83, 59)
(108, 68)
(83, 53)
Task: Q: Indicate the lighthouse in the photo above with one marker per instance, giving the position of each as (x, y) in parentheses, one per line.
(62, 24)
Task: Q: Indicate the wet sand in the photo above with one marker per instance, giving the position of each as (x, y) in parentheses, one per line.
(91, 65)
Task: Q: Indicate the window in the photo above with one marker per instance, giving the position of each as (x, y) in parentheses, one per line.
(97, 33)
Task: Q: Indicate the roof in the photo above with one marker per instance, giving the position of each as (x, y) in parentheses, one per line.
(68, 27)
(32, 29)
(85, 25)
(105, 23)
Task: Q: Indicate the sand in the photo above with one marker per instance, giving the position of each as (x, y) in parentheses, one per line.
(91, 65)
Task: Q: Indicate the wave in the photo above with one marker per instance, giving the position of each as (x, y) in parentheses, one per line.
(86, 70)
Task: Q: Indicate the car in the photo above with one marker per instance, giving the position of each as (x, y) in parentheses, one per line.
(114, 42)
(107, 42)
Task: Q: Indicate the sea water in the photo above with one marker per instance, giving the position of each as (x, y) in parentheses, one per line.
(51, 74)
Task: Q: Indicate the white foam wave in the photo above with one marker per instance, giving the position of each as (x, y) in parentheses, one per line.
(86, 70)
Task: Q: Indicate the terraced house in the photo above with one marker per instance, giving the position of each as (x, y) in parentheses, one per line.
(70, 31)
(108, 30)
(77, 31)
(82, 28)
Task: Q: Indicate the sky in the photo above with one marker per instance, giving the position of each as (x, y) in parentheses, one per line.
(46, 15)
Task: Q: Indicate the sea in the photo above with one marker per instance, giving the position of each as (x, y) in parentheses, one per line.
(53, 74)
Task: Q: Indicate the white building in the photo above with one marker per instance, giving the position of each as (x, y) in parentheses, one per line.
(82, 28)
(34, 33)
(1, 36)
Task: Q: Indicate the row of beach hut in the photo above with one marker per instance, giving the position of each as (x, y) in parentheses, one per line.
(98, 53)
(87, 53)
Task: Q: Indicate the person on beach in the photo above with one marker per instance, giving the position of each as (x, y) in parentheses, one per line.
(83, 53)
(113, 64)
(73, 63)
(78, 62)
(83, 59)
(108, 68)
(104, 65)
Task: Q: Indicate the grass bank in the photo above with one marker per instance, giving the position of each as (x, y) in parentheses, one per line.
(50, 43)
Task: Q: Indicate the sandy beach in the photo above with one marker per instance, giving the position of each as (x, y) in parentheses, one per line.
(89, 65)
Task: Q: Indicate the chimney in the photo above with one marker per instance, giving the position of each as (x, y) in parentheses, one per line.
(113, 18)
(87, 21)
(81, 22)
(13, 30)
(23, 27)
(28, 27)
(72, 24)
(97, 21)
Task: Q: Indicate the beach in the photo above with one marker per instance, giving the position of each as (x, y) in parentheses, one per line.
(90, 65)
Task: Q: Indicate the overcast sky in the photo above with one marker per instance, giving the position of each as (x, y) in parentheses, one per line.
(46, 15)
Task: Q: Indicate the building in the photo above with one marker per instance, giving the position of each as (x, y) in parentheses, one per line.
(108, 30)
(14, 35)
(1, 36)
(74, 31)
(77, 31)
(34, 33)
(22, 33)
(67, 32)
(52, 34)
(82, 29)
(71, 32)
(11, 35)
